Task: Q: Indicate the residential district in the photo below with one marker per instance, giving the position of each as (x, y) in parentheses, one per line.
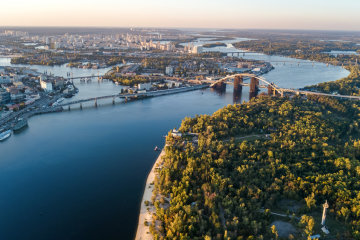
(142, 61)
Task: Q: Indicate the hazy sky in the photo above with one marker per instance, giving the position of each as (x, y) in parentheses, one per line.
(288, 14)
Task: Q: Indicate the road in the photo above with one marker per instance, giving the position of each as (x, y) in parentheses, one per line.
(131, 95)
(44, 100)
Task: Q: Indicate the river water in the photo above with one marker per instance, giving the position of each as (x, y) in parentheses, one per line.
(80, 174)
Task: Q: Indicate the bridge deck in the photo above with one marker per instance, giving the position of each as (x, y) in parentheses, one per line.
(131, 95)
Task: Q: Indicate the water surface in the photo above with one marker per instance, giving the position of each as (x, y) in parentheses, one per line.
(81, 174)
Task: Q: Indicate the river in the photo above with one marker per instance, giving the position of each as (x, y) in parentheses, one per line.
(288, 72)
(80, 174)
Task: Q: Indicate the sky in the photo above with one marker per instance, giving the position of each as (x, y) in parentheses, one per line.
(242, 14)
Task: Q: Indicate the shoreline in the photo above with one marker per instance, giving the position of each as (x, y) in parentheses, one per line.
(142, 232)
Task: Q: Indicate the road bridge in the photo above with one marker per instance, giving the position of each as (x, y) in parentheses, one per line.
(238, 53)
(134, 95)
(84, 77)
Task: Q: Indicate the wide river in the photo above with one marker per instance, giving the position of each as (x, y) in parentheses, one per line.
(81, 174)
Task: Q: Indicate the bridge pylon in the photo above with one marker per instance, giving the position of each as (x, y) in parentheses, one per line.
(220, 85)
(270, 90)
(254, 84)
(238, 80)
(95, 104)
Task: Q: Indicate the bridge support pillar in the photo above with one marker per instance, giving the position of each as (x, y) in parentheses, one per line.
(274, 92)
(69, 108)
(96, 103)
(270, 90)
(254, 84)
(220, 86)
(113, 101)
(81, 106)
(254, 87)
(238, 80)
(282, 93)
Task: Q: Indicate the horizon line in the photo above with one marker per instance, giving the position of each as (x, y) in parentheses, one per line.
(181, 28)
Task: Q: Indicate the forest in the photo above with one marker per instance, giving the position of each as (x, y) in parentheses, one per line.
(346, 86)
(128, 80)
(215, 183)
(314, 50)
(216, 44)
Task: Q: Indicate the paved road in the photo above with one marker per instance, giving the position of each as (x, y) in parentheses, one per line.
(44, 100)
(146, 94)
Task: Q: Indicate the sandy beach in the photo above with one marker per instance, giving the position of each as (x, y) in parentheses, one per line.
(143, 232)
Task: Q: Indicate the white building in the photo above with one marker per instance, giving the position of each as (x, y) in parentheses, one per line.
(171, 84)
(144, 86)
(197, 49)
(45, 84)
(57, 45)
(48, 40)
(176, 133)
(169, 70)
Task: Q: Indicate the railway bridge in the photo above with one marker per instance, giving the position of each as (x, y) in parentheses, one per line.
(257, 82)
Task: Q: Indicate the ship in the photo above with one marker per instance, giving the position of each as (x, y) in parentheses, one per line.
(20, 124)
(5, 135)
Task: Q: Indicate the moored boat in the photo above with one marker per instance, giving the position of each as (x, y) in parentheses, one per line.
(20, 124)
(5, 135)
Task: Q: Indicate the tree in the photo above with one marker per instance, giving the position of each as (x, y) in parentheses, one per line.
(307, 223)
(310, 201)
(274, 232)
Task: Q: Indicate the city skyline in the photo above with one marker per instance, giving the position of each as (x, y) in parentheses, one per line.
(279, 14)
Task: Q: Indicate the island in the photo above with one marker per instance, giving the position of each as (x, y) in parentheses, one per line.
(216, 44)
(308, 48)
(266, 169)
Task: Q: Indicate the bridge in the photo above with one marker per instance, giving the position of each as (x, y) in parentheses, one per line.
(254, 85)
(134, 95)
(256, 82)
(273, 89)
(84, 77)
(238, 53)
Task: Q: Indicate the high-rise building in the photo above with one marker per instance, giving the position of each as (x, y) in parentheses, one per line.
(45, 84)
(4, 96)
(169, 70)
(197, 49)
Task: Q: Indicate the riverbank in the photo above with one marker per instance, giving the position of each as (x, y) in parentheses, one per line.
(321, 57)
(142, 125)
(143, 232)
